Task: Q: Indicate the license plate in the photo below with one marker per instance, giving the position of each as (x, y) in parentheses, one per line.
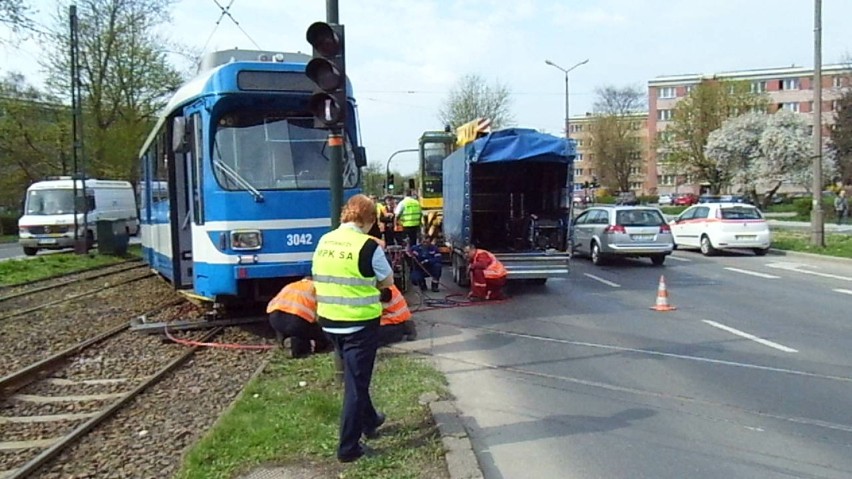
(642, 237)
(746, 237)
(47, 241)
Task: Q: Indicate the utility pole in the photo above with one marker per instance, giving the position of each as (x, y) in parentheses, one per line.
(81, 245)
(817, 220)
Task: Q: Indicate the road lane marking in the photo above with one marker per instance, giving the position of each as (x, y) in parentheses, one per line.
(678, 258)
(753, 273)
(844, 291)
(604, 281)
(795, 268)
(754, 338)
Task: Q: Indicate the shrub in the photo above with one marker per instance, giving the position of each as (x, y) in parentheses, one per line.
(649, 199)
(8, 225)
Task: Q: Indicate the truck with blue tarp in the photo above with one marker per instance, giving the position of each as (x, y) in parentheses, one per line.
(510, 193)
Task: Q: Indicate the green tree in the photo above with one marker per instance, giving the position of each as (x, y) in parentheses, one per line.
(125, 77)
(704, 110)
(473, 98)
(34, 137)
(616, 143)
(841, 136)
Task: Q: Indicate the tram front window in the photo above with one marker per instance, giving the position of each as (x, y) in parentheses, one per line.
(275, 152)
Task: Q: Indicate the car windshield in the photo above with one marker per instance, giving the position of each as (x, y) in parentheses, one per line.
(274, 151)
(638, 218)
(740, 213)
(50, 202)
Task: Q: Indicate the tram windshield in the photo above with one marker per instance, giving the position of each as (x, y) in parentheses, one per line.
(272, 151)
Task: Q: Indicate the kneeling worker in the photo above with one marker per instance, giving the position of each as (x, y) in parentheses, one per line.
(487, 274)
(396, 322)
(293, 314)
(428, 262)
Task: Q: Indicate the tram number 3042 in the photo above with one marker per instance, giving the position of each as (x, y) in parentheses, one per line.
(300, 239)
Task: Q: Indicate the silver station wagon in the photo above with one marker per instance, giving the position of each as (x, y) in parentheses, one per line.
(603, 232)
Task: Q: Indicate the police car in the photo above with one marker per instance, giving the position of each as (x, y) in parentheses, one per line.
(715, 226)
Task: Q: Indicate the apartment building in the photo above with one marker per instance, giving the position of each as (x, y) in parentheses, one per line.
(579, 129)
(789, 88)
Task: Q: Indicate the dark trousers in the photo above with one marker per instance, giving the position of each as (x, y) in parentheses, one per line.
(300, 332)
(411, 232)
(395, 333)
(418, 276)
(389, 234)
(358, 352)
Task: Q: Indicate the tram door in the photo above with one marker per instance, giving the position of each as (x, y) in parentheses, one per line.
(181, 200)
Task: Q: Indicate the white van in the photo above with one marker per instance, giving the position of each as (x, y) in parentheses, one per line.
(48, 221)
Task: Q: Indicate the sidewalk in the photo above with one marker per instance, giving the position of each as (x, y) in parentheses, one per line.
(805, 226)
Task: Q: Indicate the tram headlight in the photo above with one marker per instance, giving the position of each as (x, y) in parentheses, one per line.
(246, 240)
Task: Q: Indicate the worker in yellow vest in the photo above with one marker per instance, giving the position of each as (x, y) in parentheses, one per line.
(409, 215)
(396, 323)
(349, 268)
(293, 314)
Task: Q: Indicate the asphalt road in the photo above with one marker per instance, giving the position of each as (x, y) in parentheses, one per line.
(750, 377)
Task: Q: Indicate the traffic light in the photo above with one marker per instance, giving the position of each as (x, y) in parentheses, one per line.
(390, 182)
(327, 70)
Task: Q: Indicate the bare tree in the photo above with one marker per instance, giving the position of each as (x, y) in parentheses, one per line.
(616, 135)
(473, 98)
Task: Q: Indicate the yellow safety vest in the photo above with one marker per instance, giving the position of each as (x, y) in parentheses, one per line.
(410, 213)
(343, 294)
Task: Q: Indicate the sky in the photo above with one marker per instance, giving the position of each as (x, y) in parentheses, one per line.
(403, 57)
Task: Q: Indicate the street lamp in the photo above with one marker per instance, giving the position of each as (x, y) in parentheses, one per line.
(566, 71)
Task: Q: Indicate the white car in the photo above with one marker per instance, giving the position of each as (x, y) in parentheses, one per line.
(715, 226)
(665, 200)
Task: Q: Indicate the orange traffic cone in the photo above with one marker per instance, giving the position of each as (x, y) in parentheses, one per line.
(662, 297)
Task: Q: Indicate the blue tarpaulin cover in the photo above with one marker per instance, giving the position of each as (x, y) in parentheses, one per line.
(515, 144)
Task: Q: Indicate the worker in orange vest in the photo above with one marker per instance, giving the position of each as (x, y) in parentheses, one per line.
(487, 274)
(396, 322)
(293, 314)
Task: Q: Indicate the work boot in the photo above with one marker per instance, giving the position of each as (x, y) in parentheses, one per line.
(434, 286)
(423, 285)
(410, 330)
(372, 432)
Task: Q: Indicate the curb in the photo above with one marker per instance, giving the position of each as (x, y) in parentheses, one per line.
(783, 252)
(458, 450)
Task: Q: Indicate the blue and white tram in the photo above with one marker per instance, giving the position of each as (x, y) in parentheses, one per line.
(235, 178)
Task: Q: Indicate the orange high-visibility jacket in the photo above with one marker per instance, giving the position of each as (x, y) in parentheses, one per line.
(396, 310)
(495, 269)
(297, 298)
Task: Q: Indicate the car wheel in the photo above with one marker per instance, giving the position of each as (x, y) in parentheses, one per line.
(455, 268)
(707, 248)
(658, 260)
(30, 251)
(761, 251)
(597, 257)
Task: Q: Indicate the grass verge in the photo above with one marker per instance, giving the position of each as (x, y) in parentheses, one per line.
(8, 238)
(278, 422)
(835, 244)
(19, 271)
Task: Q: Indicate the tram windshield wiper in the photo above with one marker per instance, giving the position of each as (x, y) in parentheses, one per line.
(239, 180)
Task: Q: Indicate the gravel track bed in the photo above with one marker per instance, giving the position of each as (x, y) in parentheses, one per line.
(7, 290)
(149, 436)
(130, 356)
(61, 292)
(33, 337)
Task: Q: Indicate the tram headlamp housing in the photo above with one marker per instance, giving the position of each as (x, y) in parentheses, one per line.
(246, 240)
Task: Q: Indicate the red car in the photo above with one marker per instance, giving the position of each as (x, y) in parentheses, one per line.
(687, 199)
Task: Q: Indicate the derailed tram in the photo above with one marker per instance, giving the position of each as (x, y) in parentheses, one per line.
(246, 178)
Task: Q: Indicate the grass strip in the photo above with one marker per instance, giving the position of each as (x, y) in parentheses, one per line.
(835, 244)
(20, 271)
(277, 422)
(8, 239)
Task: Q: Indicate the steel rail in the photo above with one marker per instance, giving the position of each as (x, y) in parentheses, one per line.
(71, 298)
(66, 283)
(45, 456)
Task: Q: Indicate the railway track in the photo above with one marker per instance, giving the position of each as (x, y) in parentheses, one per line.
(67, 279)
(76, 296)
(49, 406)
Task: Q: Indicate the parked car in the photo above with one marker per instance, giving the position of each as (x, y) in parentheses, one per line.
(685, 199)
(627, 198)
(665, 200)
(627, 231)
(714, 226)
